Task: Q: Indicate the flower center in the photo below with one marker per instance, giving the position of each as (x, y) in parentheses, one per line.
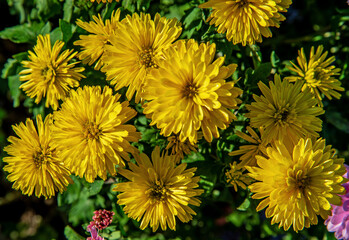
(301, 180)
(190, 90)
(302, 183)
(41, 157)
(283, 116)
(242, 3)
(158, 192)
(91, 131)
(48, 73)
(298, 180)
(146, 58)
(319, 75)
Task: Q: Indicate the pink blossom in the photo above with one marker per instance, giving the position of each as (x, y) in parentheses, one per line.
(338, 222)
(102, 218)
(94, 233)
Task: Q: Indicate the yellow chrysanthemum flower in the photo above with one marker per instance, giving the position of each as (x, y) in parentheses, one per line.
(236, 176)
(48, 73)
(298, 184)
(178, 148)
(136, 48)
(188, 92)
(34, 165)
(249, 152)
(246, 21)
(91, 133)
(318, 74)
(93, 45)
(158, 191)
(284, 111)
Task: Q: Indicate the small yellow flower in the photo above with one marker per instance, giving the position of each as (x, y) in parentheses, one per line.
(91, 133)
(298, 184)
(236, 176)
(285, 111)
(136, 48)
(34, 164)
(189, 92)
(246, 21)
(249, 152)
(179, 148)
(93, 45)
(318, 74)
(158, 191)
(48, 73)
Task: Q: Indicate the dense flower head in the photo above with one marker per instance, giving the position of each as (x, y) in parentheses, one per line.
(236, 176)
(285, 111)
(299, 183)
(338, 221)
(246, 21)
(48, 73)
(102, 218)
(91, 133)
(136, 48)
(33, 162)
(93, 45)
(178, 148)
(158, 191)
(188, 91)
(318, 74)
(250, 151)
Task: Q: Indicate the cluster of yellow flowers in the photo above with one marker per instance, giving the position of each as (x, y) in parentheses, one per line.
(296, 174)
(184, 90)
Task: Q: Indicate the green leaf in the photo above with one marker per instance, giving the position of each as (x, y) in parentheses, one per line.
(13, 84)
(47, 8)
(248, 75)
(115, 235)
(81, 210)
(67, 30)
(95, 187)
(177, 11)
(67, 10)
(45, 29)
(266, 228)
(148, 134)
(56, 34)
(100, 201)
(194, 157)
(143, 5)
(9, 68)
(21, 56)
(245, 205)
(70, 234)
(34, 108)
(143, 120)
(13, 66)
(18, 34)
(192, 22)
(338, 121)
(19, 8)
(274, 59)
(260, 74)
(237, 218)
(72, 193)
(128, 5)
(192, 16)
(26, 33)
